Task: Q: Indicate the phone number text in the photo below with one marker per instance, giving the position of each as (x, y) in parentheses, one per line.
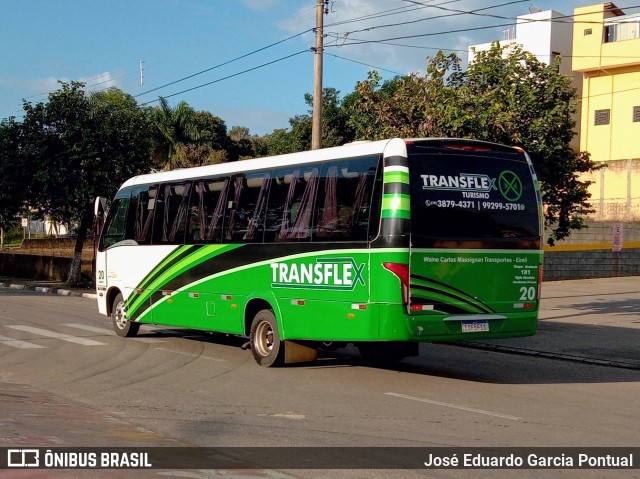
(476, 205)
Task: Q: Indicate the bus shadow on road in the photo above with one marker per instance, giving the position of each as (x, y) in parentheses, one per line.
(560, 353)
(534, 360)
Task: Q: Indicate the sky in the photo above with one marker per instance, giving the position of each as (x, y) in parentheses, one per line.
(248, 62)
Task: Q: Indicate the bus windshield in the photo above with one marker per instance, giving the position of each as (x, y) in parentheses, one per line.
(475, 196)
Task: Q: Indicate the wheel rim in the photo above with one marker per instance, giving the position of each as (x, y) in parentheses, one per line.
(119, 317)
(263, 339)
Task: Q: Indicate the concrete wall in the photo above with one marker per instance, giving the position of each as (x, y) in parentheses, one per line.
(587, 253)
(36, 267)
(599, 235)
(615, 191)
(54, 243)
(44, 259)
(591, 264)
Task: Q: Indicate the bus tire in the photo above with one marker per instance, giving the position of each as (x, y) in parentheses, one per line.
(266, 346)
(121, 326)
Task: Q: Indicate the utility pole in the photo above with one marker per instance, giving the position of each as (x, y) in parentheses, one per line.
(316, 124)
(141, 73)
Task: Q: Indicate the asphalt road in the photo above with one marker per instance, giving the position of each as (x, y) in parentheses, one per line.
(67, 380)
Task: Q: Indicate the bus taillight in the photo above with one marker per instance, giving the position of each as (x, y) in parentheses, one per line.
(540, 272)
(401, 270)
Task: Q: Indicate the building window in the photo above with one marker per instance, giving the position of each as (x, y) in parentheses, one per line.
(621, 31)
(588, 31)
(636, 114)
(602, 117)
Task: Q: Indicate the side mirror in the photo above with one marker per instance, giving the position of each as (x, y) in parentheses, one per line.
(100, 205)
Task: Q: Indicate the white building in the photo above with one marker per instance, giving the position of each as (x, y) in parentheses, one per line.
(546, 34)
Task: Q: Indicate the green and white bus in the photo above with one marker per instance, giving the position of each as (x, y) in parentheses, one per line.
(383, 244)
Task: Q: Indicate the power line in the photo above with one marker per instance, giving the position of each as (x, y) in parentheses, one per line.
(404, 45)
(385, 13)
(439, 6)
(229, 76)
(558, 19)
(365, 64)
(388, 41)
(223, 64)
(111, 76)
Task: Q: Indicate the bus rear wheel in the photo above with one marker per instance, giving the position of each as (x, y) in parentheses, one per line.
(121, 325)
(266, 346)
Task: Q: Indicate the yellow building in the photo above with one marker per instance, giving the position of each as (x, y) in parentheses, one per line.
(606, 50)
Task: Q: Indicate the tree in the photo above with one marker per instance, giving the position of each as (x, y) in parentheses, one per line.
(211, 130)
(238, 133)
(506, 98)
(195, 154)
(335, 127)
(244, 145)
(184, 137)
(13, 177)
(298, 138)
(172, 127)
(79, 147)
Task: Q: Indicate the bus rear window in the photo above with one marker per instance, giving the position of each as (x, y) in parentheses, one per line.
(471, 196)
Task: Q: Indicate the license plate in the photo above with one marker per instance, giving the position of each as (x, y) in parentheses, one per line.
(474, 326)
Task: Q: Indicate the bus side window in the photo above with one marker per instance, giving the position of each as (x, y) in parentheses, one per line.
(142, 207)
(247, 214)
(375, 208)
(344, 199)
(206, 215)
(171, 213)
(114, 230)
(291, 204)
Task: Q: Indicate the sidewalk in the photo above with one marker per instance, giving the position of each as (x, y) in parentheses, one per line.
(48, 287)
(593, 321)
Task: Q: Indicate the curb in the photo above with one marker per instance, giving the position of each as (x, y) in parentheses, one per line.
(50, 290)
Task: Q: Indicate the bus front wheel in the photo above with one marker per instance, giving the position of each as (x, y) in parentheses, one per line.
(266, 346)
(121, 325)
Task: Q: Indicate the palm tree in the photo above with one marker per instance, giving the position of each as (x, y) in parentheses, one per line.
(173, 128)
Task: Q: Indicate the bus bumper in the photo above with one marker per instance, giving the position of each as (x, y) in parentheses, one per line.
(396, 325)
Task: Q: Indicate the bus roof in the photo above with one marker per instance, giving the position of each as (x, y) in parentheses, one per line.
(345, 151)
(392, 147)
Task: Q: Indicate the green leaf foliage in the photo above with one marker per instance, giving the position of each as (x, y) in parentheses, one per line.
(13, 178)
(72, 148)
(78, 146)
(504, 96)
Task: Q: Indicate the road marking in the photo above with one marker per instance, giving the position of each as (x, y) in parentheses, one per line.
(455, 406)
(91, 329)
(52, 334)
(18, 343)
(147, 340)
(111, 332)
(290, 415)
(191, 355)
